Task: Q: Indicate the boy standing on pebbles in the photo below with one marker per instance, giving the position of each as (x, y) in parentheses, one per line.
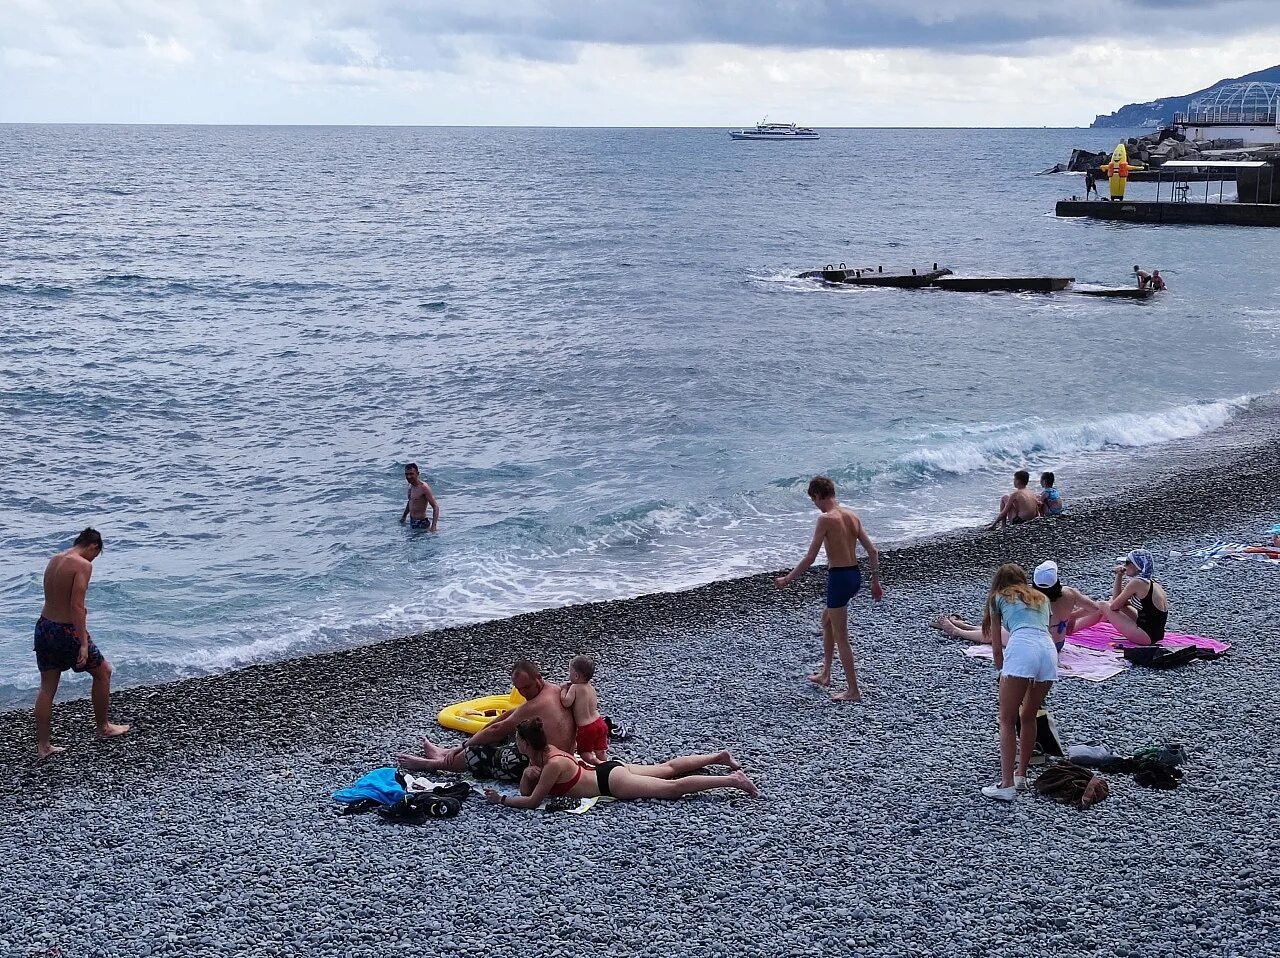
(62, 640)
(839, 530)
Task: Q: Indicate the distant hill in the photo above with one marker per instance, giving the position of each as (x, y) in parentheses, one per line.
(1159, 113)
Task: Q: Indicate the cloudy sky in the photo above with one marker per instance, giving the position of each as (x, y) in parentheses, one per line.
(606, 63)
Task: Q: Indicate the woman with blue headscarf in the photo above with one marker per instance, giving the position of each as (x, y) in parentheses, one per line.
(1139, 606)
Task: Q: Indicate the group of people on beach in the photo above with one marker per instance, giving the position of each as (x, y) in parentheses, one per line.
(1026, 623)
(1023, 505)
(556, 744)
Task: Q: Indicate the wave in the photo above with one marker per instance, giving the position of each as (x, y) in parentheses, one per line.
(990, 447)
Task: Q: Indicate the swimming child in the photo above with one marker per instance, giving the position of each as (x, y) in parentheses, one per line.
(579, 695)
(1050, 498)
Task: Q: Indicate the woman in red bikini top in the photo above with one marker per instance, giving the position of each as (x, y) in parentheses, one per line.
(553, 773)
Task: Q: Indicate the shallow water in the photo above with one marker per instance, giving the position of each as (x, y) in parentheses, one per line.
(219, 345)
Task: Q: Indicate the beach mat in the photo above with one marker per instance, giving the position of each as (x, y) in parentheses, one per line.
(1104, 636)
(1074, 662)
(1223, 549)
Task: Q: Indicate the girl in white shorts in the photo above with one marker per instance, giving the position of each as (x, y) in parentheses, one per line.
(1027, 665)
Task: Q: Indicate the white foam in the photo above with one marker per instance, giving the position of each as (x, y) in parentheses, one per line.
(989, 447)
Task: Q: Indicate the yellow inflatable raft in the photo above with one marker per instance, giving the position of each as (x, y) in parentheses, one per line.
(473, 715)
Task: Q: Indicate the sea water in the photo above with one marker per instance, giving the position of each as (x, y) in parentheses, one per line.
(219, 346)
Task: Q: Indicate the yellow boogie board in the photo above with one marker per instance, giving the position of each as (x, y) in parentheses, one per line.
(473, 715)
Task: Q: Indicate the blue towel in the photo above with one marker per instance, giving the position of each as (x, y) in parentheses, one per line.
(380, 785)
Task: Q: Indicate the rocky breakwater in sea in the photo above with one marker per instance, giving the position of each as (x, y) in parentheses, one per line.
(1155, 149)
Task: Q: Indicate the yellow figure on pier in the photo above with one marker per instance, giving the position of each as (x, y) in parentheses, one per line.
(1117, 172)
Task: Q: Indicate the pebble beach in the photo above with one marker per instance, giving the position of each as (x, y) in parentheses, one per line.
(209, 830)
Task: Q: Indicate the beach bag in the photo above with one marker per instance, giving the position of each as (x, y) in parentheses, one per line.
(1070, 784)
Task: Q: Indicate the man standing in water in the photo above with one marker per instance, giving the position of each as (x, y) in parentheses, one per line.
(839, 530)
(63, 641)
(419, 498)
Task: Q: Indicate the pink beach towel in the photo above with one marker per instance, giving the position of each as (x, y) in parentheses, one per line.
(1074, 661)
(1104, 636)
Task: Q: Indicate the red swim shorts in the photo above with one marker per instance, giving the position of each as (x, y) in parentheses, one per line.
(593, 737)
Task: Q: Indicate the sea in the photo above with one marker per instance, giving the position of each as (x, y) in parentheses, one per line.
(220, 345)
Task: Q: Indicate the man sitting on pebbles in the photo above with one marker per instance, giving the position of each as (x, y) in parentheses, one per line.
(1019, 506)
(491, 753)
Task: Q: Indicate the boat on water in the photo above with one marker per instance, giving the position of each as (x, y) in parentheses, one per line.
(774, 131)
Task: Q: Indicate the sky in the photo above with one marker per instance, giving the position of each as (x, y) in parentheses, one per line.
(604, 63)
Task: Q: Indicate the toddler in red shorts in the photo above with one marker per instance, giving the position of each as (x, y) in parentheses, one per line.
(579, 695)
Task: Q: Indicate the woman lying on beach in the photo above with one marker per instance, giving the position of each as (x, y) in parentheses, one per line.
(1069, 611)
(552, 773)
(1027, 666)
(1139, 608)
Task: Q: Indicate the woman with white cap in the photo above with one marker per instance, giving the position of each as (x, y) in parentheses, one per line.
(1069, 610)
(1139, 607)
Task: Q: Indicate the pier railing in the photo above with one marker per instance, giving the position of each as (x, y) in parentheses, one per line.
(1227, 118)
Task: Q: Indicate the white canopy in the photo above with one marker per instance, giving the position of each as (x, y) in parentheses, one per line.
(1212, 164)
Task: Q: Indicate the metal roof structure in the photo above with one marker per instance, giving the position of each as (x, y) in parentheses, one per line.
(1255, 102)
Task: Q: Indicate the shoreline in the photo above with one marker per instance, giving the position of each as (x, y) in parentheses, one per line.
(1256, 429)
(1189, 493)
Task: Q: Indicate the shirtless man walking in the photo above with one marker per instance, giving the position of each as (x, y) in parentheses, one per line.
(63, 641)
(839, 530)
(420, 497)
(491, 752)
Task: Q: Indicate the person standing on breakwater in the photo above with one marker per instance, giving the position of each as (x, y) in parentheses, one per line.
(1027, 667)
(1018, 506)
(420, 496)
(489, 753)
(1090, 184)
(838, 530)
(62, 640)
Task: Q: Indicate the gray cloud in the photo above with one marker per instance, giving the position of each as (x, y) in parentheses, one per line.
(808, 24)
(434, 34)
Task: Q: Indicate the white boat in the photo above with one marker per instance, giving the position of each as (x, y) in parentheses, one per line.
(774, 131)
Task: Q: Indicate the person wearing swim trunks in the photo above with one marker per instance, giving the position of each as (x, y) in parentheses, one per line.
(62, 640)
(579, 695)
(555, 772)
(420, 496)
(490, 753)
(838, 531)
(1018, 506)
(1050, 501)
(1139, 607)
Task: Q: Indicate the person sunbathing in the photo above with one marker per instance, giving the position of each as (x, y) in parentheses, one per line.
(1069, 609)
(1139, 607)
(553, 772)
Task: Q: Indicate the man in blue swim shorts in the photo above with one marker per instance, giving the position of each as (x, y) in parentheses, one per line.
(62, 640)
(420, 496)
(838, 531)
